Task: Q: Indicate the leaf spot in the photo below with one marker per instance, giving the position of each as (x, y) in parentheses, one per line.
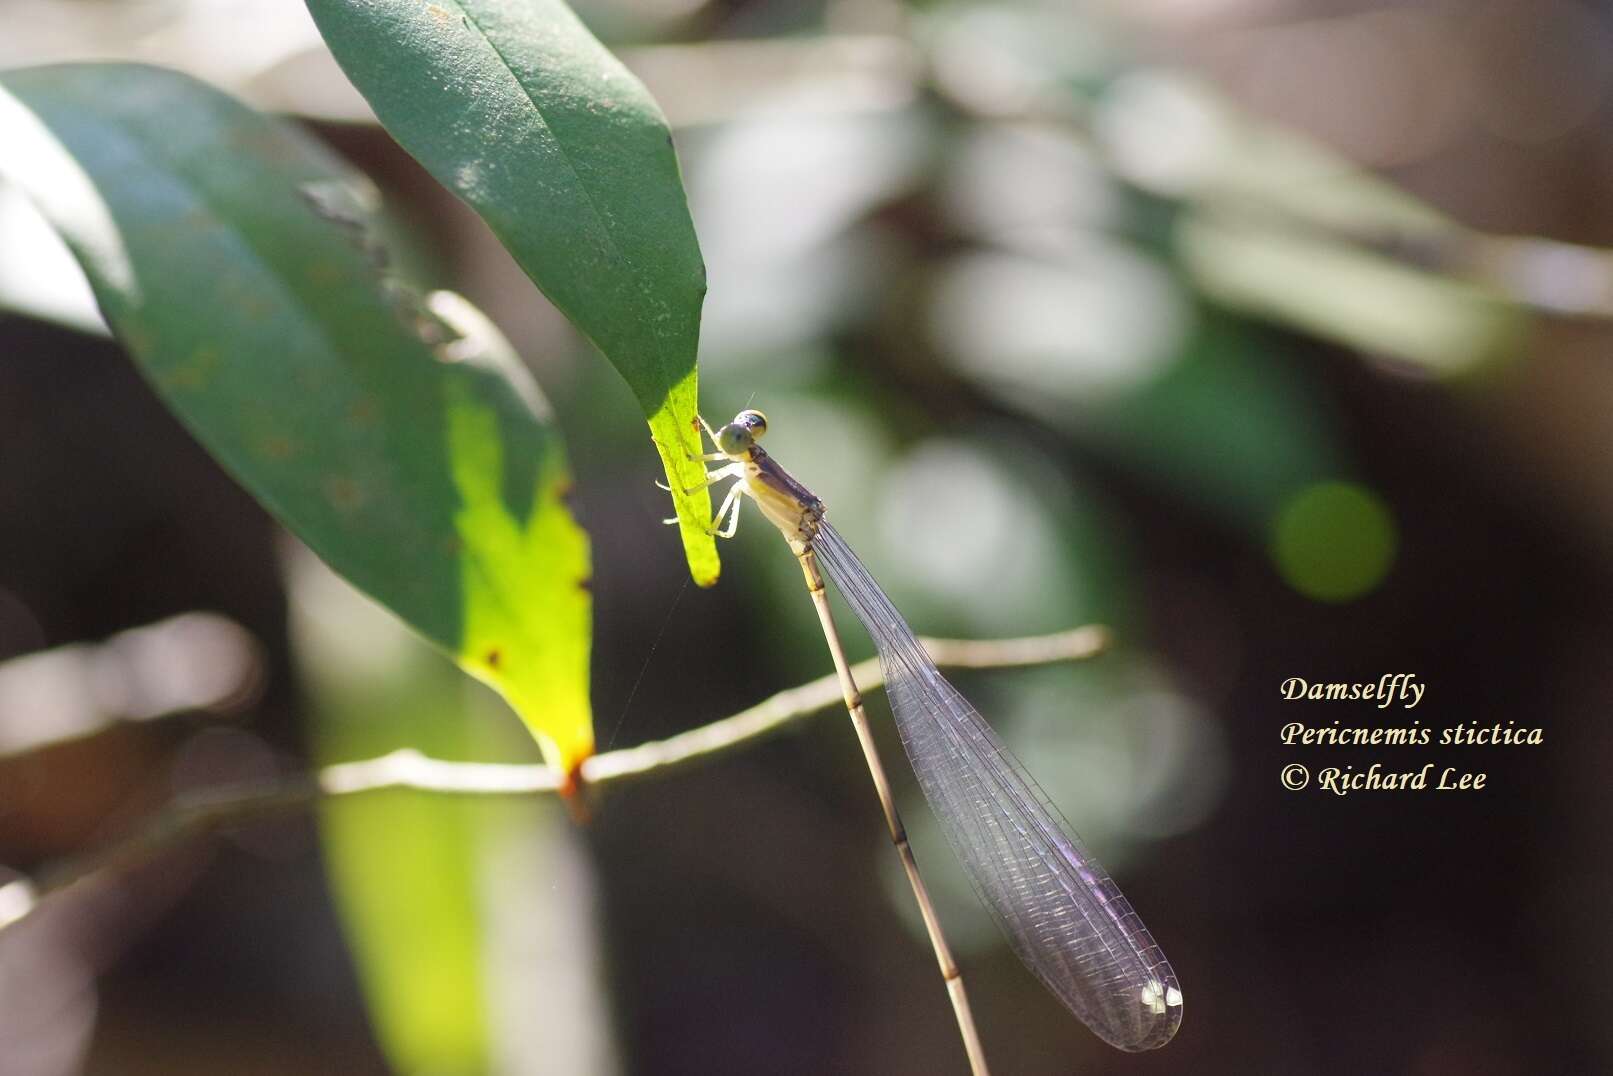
(343, 493)
(196, 371)
(278, 447)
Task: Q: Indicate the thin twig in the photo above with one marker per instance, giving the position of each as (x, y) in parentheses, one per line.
(200, 813)
(947, 965)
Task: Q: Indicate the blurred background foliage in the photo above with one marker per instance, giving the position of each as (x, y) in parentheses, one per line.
(1270, 332)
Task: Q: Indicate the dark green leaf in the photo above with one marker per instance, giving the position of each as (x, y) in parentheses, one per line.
(516, 108)
(396, 434)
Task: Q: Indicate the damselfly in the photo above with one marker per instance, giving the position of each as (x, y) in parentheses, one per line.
(1062, 913)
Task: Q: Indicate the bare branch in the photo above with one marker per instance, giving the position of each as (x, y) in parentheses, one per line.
(207, 812)
(773, 713)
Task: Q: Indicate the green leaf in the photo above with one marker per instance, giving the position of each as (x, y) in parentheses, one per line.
(516, 108)
(404, 869)
(396, 434)
(1277, 226)
(464, 915)
(1340, 291)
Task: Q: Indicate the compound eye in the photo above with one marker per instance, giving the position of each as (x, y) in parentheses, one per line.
(752, 420)
(734, 439)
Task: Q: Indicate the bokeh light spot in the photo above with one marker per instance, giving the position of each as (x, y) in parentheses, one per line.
(1335, 541)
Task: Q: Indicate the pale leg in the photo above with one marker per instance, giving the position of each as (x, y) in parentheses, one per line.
(730, 506)
(733, 470)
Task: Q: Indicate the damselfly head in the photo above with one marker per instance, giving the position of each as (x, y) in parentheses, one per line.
(736, 438)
